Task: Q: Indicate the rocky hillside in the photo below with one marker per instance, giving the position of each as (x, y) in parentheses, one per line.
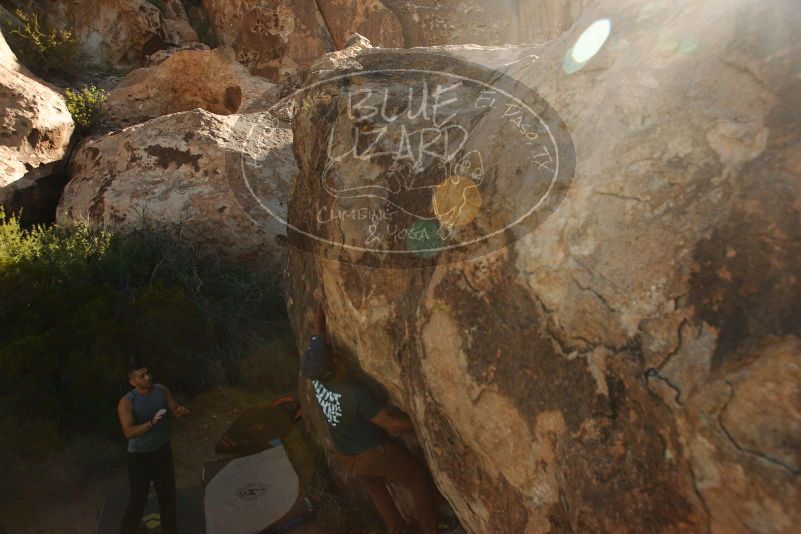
(564, 236)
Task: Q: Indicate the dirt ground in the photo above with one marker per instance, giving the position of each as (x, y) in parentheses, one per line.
(49, 500)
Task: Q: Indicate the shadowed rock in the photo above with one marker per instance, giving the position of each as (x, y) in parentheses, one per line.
(180, 168)
(35, 141)
(121, 32)
(209, 79)
(277, 39)
(367, 17)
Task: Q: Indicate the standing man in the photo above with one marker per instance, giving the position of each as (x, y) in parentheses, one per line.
(143, 414)
(358, 425)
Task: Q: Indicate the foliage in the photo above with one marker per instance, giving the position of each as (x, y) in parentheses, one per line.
(86, 106)
(46, 51)
(77, 303)
(271, 361)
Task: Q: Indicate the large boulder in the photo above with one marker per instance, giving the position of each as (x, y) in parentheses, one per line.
(186, 79)
(277, 39)
(369, 18)
(186, 168)
(35, 141)
(121, 32)
(625, 361)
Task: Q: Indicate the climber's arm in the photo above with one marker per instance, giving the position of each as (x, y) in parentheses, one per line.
(319, 314)
(394, 424)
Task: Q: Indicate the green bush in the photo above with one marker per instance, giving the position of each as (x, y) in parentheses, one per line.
(46, 51)
(88, 455)
(86, 106)
(272, 363)
(77, 303)
(17, 438)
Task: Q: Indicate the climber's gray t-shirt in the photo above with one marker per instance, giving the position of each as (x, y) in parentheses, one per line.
(348, 408)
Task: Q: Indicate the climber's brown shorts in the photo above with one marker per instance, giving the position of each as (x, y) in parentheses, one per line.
(391, 463)
(387, 461)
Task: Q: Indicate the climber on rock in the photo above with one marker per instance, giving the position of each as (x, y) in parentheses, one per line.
(359, 425)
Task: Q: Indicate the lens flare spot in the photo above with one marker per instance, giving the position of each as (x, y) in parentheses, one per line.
(591, 41)
(687, 44)
(587, 45)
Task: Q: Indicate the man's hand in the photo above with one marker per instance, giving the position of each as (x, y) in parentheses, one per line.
(157, 417)
(176, 410)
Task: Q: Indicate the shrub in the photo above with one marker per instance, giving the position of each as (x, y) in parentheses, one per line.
(18, 438)
(272, 363)
(86, 106)
(46, 51)
(76, 303)
(88, 455)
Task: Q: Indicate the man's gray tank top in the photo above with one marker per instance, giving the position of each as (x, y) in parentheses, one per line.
(144, 408)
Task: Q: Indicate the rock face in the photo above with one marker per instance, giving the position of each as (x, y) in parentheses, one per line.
(483, 22)
(631, 363)
(277, 39)
(175, 22)
(183, 168)
(539, 21)
(35, 141)
(121, 32)
(437, 22)
(369, 18)
(209, 79)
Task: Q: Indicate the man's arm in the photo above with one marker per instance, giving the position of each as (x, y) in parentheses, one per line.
(394, 424)
(126, 415)
(176, 410)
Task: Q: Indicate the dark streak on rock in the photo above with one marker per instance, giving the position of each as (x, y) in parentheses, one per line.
(98, 205)
(505, 507)
(511, 349)
(167, 155)
(746, 283)
(616, 477)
